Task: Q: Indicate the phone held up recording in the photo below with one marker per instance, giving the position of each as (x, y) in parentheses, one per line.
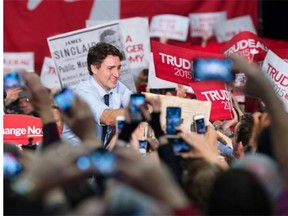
(63, 99)
(179, 145)
(143, 147)
(120, 123)
(136, 100)
(11, 166)
(213, 69)
(199, 124)
(13, 80)
(100, 160)
(173, 119)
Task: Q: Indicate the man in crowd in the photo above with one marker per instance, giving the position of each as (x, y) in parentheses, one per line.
(103, 92)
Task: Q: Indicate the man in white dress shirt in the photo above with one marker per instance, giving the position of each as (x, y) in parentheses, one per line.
(104, 66)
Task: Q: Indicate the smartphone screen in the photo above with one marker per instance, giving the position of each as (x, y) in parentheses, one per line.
(173, 119)
(63, 99)
(213, 69)
(143, 146)
(11, 166)
(179, 145)
(120, 123)
(136, 100)
(103, 161)
(199, 124)
(13, 80)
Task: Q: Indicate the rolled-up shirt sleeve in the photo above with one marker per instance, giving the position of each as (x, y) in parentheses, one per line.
(95, 103)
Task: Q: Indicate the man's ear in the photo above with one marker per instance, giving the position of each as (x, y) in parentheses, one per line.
(93, 68)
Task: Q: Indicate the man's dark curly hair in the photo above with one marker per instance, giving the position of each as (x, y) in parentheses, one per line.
(99, 52)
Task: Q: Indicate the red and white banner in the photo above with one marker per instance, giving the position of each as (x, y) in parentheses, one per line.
(226, 29)
(155, 82)
(245, 44)
(217, 93)
(174, 63)
(18, 61)
(19, 128)
(26, 26)
(202, 24)
(169, 26)
(277, 71)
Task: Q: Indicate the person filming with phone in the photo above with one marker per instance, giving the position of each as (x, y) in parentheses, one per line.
(103, 91)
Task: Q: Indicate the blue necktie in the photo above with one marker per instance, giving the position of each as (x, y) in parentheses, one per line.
(104, 128)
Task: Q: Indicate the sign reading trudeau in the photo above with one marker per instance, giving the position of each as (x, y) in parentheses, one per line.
(174, 63)
(19, 128)
(217, 93)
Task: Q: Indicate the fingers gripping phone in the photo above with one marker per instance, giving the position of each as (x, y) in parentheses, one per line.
(63, 99)
(173, 119)
(136, 100)
(213, 69)
(199, 124)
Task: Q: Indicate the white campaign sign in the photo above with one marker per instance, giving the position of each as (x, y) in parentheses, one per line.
(18, 61)
(169, 26)
(49, 76)
(203, 24)
(69, 52)
(135, 32)
(277, 71)
(225, 30)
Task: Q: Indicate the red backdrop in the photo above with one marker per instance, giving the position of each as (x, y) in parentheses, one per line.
(27, 30)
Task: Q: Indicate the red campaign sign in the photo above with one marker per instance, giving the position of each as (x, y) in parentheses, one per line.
(19, 128)
(282, 53)
(217, 93)
(247, 45)
(31, 18)
(174, 63)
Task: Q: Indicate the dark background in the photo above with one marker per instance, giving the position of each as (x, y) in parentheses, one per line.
(274, 19)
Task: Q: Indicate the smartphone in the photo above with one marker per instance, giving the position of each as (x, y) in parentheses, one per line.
(120, 123)
(179, 145)
(213, 69)
(143, 146)
(63, 100)
(136, 100)
(11, 166)
(103, 161)
(199, 124)
(13, 80)
(173, 119)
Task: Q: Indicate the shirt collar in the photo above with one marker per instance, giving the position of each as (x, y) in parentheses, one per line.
(101, 91)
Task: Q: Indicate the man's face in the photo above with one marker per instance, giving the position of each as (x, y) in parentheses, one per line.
(109, 72)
